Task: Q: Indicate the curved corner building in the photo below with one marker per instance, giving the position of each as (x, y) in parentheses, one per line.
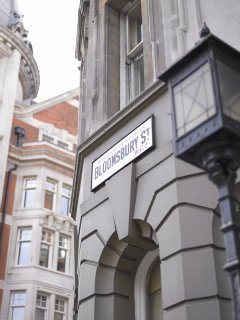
(149, 239)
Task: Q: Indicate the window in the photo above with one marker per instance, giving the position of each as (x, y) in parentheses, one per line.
(50, 194)
(59, 310)
(134, 27)
(24, 246)
(47, 138)
(62, 253)
(134, 59)
(45, 249)
(55, 141)
(54, 256)
(65, 199)
(18, 302)
(63, 145)
(29, 196)
(41, 307)
(50, 306)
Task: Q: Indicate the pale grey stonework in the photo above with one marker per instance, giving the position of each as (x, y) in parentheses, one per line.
(157, 201)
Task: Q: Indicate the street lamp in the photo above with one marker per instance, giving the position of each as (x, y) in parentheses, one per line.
(204, 86)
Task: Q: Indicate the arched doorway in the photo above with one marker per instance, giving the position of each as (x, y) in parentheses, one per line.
(128, 277)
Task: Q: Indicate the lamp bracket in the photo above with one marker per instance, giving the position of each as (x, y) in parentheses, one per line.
(221, 160)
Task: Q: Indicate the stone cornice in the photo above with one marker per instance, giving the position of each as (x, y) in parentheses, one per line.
(122, 116)
(29, 73)
(41, 152)
(108, 129)
(25, 110)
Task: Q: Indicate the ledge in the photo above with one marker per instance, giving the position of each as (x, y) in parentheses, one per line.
(119, 120)
(45, 153)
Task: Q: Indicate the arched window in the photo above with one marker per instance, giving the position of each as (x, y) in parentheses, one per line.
(147, 288)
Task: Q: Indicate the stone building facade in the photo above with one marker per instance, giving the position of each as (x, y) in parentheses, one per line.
(19, 75)
(37, 232)
(37, 157)
(149, 239)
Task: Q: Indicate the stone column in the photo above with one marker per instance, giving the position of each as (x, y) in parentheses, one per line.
(9, 71)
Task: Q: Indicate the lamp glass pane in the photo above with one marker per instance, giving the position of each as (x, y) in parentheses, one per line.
(194, 100)
(229, 82)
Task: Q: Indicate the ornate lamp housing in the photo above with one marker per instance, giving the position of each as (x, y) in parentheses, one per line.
(205, 92)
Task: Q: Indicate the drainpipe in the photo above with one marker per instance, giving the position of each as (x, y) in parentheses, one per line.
(5, 203)
(76, 243)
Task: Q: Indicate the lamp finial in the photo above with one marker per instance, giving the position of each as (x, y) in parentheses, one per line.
(204, 31)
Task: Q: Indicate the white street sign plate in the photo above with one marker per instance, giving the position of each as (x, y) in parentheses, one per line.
(125, 151)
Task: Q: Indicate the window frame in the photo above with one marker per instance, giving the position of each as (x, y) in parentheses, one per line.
(65, 186)
(50, 248)
(20, 241)
(53, 193)
(63, 249)
(14, 306)
(44, 137)
(40, 307)
(47, 138)
(63, 145)
(134, 41)
(26, 189)
(134, 53)
(60, 312)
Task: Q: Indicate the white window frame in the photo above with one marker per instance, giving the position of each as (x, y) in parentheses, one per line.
(65, 249)
(66, 196)
(60, 244)
(39, 304)
(133, 55)
(20, 241)
(26, 188)
(51, 192)
(57, 308)
(14, 305)
(49, 244)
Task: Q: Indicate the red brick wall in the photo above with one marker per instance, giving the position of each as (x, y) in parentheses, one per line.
(62, 116)
(31, 131)
(4, 250)
(11, 194)
(6, 228)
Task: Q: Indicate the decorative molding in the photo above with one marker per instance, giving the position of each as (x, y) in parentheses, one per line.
(183, 26)
(198, 13)
(42, 153)
(29, 73)
(24, 110)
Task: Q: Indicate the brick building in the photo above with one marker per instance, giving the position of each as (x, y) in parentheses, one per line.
(37, 235)
(37, 147)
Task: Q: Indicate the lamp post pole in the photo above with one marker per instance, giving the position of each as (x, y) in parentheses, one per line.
(205, 96)
(221, 164)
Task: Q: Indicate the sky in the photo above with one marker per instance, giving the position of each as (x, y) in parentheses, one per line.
(52, 27)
